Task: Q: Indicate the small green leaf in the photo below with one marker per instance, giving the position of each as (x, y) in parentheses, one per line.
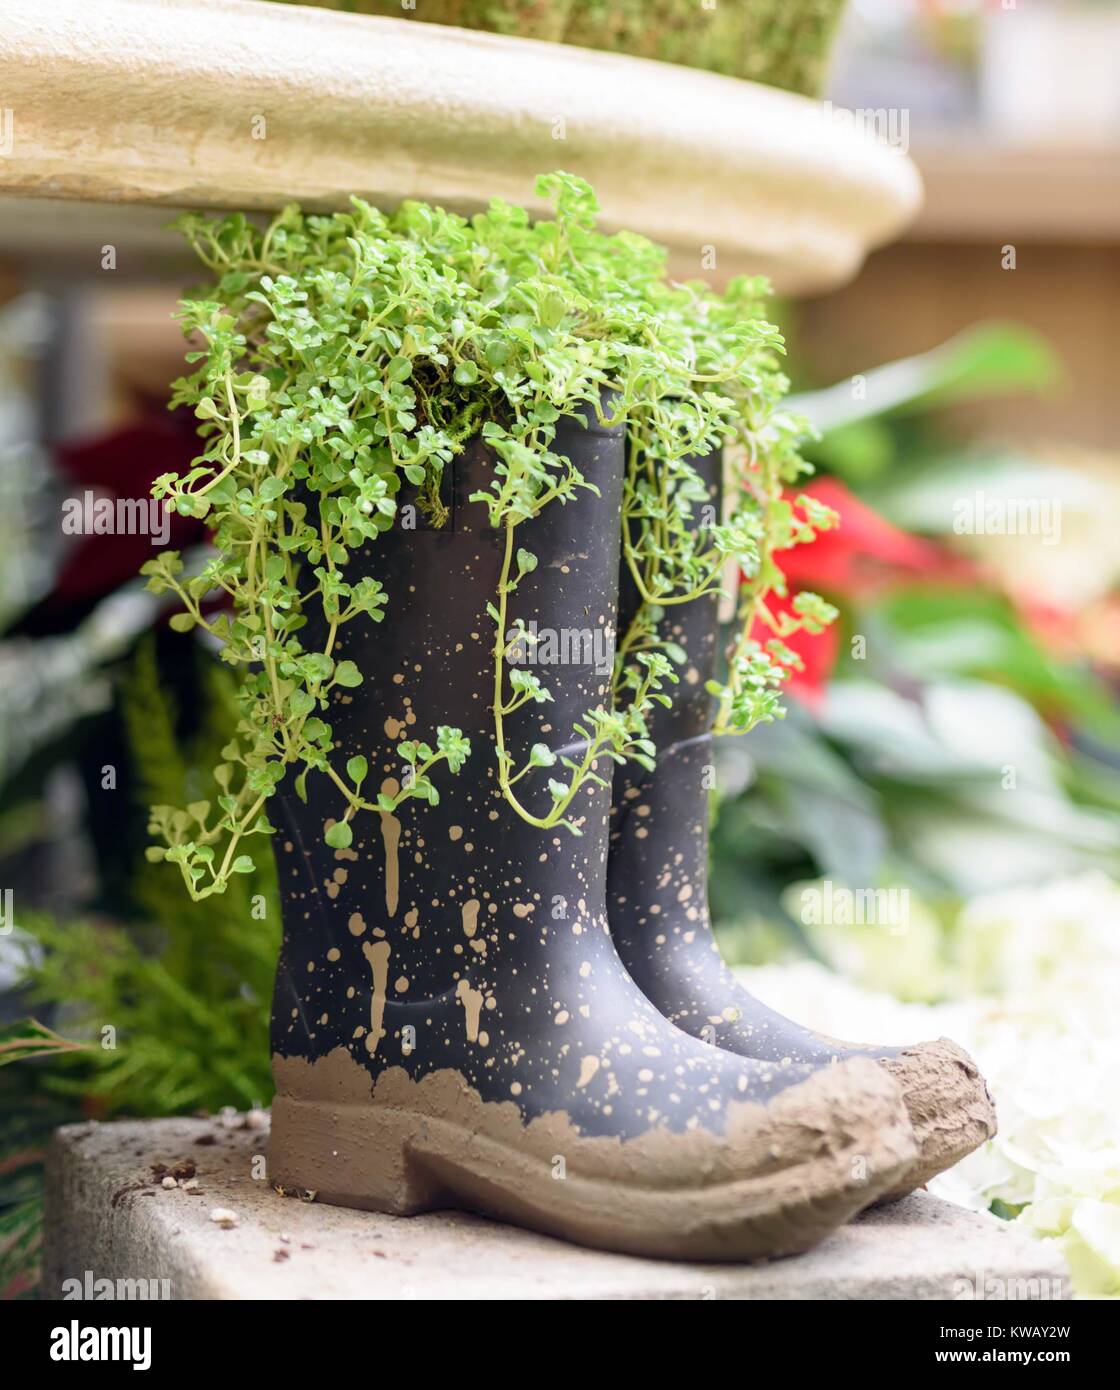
(300, 703)
(339, 835)
(357, 770)
(347, 674)
(541, 756)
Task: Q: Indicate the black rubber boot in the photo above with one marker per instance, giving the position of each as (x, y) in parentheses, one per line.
(452, 1025)
(658, 906)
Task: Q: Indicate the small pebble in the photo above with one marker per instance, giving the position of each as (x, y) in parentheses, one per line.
(169, 1182)
(222, 1216)
(257, 1119)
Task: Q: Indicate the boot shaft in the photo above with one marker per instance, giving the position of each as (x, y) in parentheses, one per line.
(659, 818)
(451, 901)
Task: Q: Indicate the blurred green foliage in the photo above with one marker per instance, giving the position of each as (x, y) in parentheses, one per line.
(955, 751)
(173, 1007)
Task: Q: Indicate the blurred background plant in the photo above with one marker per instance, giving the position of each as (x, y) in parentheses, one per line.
(955, 737)
(957, 729)
(169, 999)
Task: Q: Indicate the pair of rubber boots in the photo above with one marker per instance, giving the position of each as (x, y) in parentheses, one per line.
(474, 1013)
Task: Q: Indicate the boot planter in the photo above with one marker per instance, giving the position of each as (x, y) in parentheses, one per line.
(419, 433)
(452, 1025)
(658, 908)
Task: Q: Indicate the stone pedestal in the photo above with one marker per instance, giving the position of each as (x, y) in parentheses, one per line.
(188, 1202)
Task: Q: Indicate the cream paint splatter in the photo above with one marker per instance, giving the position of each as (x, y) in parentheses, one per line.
(470, 916)
(523, 909)
(391, 838)
(394, 728)
(587, 1069)
(356, 924)
(455, 832)
(377, 953)
(471, 1000)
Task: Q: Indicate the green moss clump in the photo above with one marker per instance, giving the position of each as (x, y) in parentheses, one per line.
(782, 43)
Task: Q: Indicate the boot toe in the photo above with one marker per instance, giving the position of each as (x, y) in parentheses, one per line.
(950, 1107)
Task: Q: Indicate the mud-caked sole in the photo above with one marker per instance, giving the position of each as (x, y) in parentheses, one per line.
(778, 1180)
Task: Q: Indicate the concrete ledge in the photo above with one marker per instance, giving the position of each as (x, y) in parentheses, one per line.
(114, 1211)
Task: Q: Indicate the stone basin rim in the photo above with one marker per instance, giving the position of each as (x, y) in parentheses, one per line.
(153, 102)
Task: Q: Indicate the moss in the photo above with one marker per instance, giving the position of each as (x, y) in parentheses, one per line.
(528, 19)
(783, 43)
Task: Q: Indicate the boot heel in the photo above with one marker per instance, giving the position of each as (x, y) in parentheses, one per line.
(349, 1155)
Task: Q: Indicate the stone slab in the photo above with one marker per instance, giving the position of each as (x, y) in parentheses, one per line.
(109, 1213)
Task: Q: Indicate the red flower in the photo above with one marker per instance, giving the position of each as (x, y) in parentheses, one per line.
(859, 557)
(862, 554)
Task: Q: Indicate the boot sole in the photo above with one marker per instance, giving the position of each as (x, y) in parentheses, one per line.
(820, 1160)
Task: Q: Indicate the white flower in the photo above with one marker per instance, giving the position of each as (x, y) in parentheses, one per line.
(1035, 975)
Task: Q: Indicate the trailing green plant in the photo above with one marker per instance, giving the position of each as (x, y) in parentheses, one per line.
(757, 666)
(346, 356)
